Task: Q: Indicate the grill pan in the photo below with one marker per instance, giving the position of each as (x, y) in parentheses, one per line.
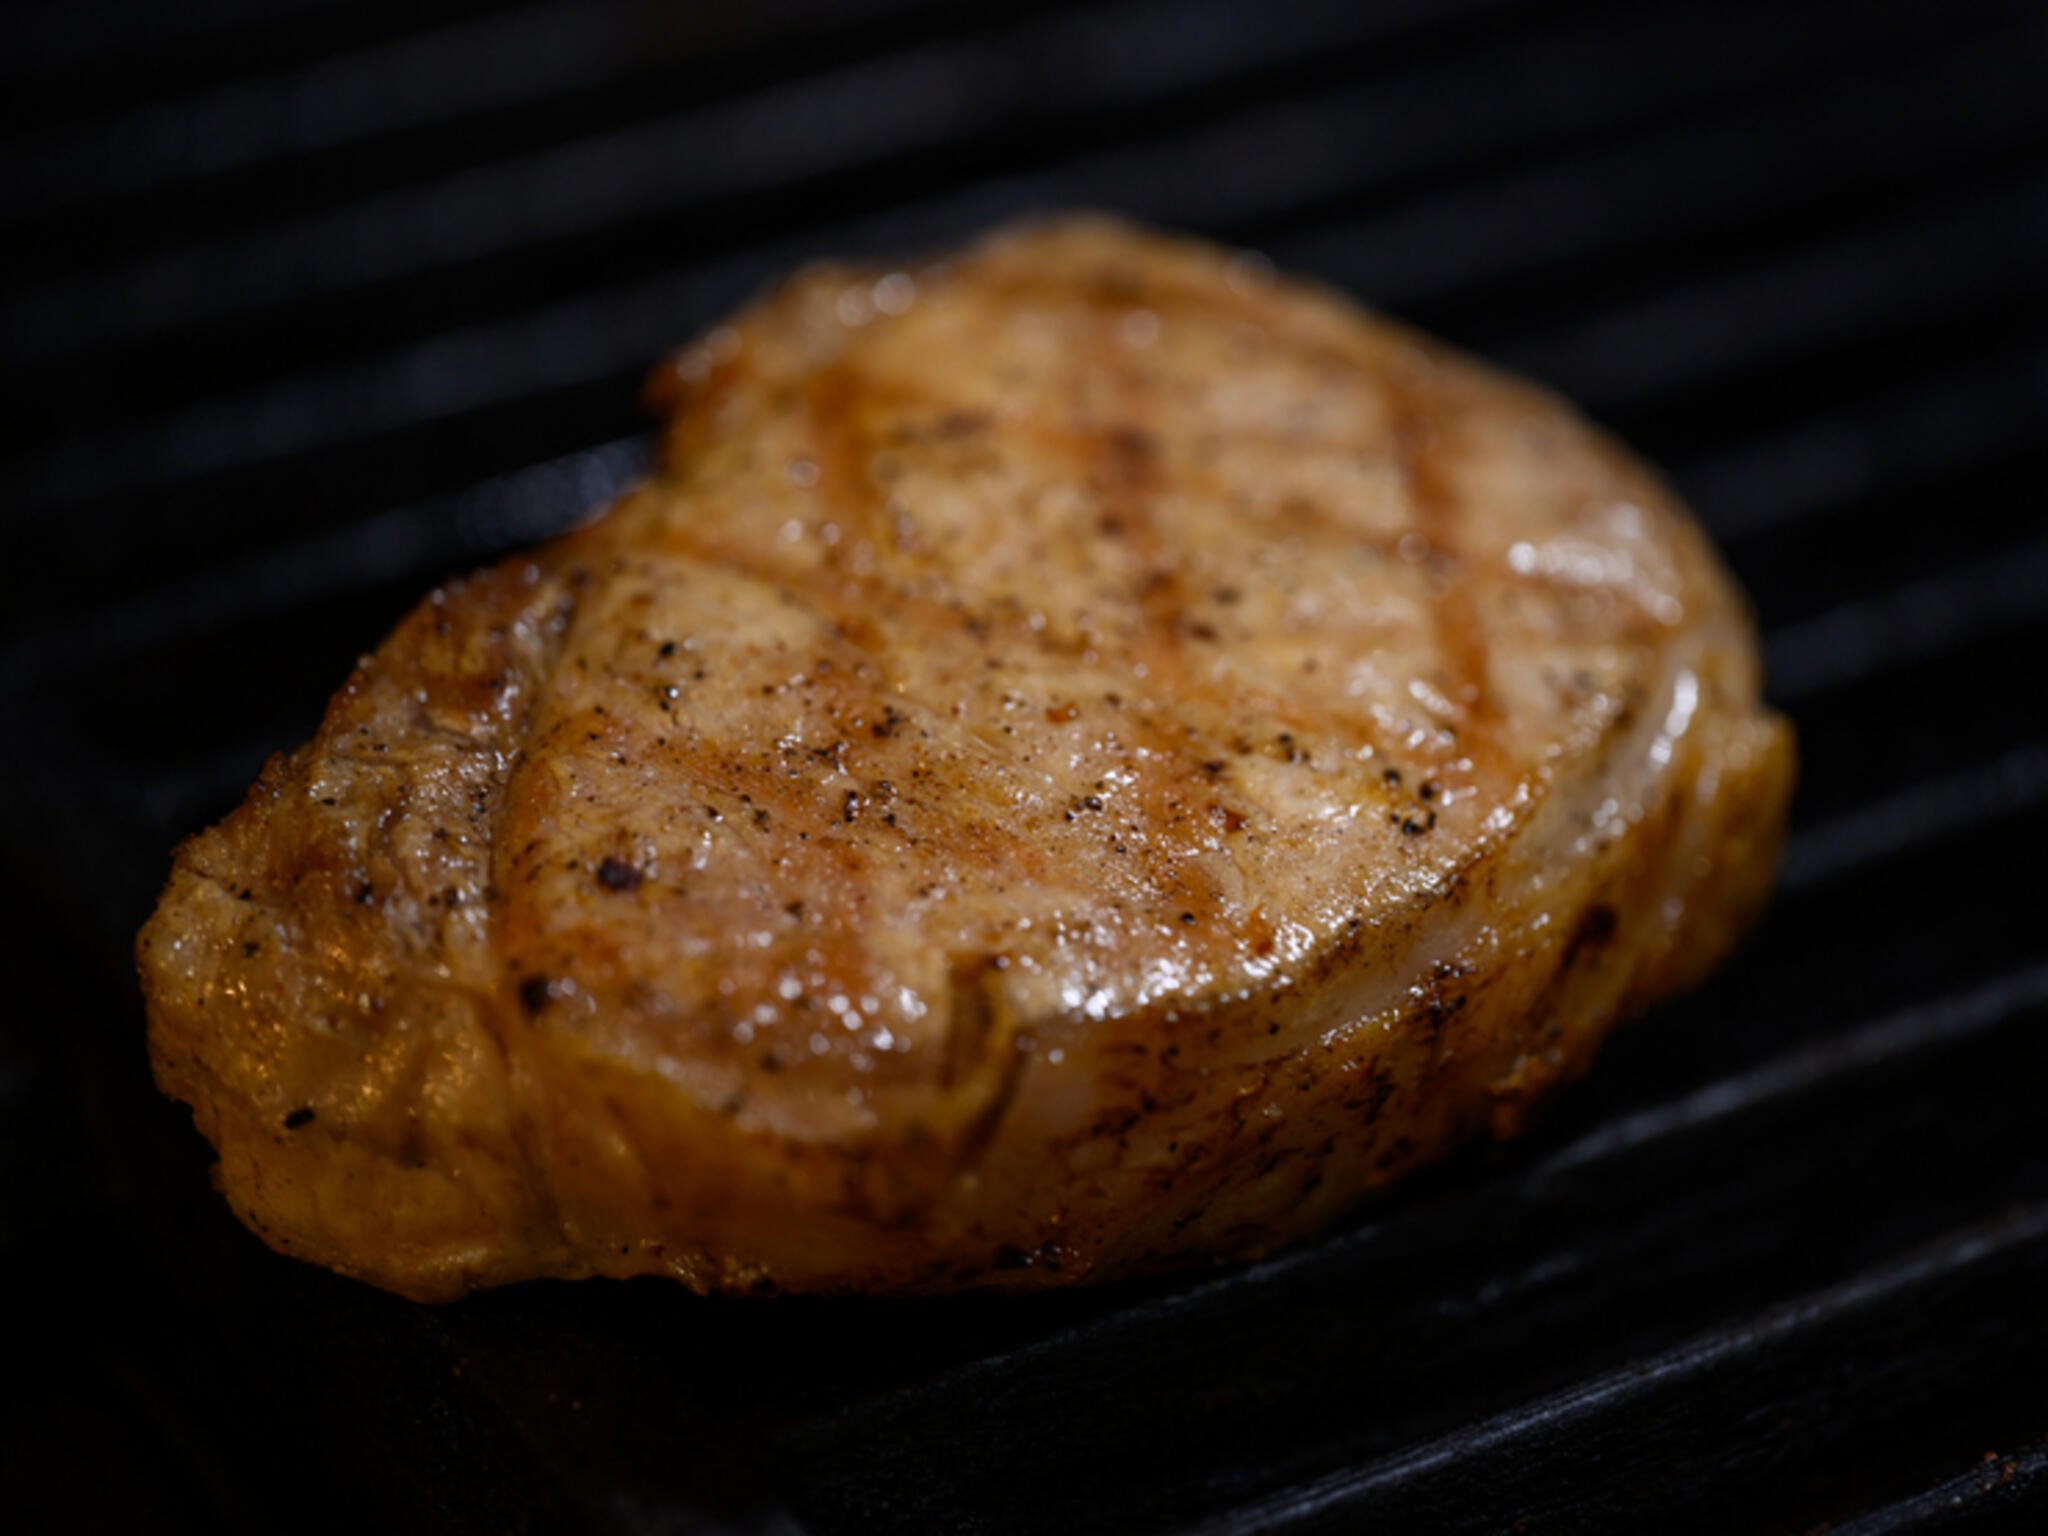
(308, 305)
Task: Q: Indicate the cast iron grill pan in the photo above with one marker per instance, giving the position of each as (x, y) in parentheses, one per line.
(309, 305)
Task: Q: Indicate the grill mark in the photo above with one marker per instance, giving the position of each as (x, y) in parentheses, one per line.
(841, 402)
(846, 411)
(1460, 636)
(846, 858)
(1128, 459)
(837, 406)
(1127, 465)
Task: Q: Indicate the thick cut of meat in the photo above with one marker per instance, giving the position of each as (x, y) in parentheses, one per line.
(1085, 757)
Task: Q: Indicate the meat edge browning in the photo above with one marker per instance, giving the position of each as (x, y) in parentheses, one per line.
(544, 1159)
(564, 1184)
(448, 1188)
(540, 1157)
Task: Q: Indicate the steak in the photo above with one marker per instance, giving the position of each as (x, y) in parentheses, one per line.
(1085, 757)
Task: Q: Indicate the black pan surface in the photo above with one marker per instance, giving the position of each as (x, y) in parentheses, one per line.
(307, 305)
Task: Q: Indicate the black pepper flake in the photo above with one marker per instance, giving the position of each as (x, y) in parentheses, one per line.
(1187, 917)
(1429, 789)
(618, 875)
(1392, 775)
(249, 947)
(668, 649)
(298, 1117)
(534, 993)
(366, 893)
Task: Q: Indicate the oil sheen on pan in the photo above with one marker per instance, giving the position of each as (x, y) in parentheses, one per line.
(1086, 757)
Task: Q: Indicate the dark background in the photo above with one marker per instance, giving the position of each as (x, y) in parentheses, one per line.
(308, 302)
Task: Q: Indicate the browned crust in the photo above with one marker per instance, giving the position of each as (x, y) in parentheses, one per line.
(430, 990)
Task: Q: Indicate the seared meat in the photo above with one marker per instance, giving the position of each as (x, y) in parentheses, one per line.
(1086, 757)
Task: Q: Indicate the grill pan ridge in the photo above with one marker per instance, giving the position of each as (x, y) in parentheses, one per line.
(308, 305)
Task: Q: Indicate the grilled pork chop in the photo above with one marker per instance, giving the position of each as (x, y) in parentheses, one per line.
(1084, 757)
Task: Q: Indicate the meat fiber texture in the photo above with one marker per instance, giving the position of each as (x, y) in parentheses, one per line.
(1085, 757)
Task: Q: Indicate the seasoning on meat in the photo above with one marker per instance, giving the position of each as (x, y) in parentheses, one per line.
(1085, 757)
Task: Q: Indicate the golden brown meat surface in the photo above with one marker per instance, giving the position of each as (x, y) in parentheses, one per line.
(1085, 757)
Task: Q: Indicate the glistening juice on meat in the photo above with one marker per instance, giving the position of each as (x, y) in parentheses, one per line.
(1086, 757)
